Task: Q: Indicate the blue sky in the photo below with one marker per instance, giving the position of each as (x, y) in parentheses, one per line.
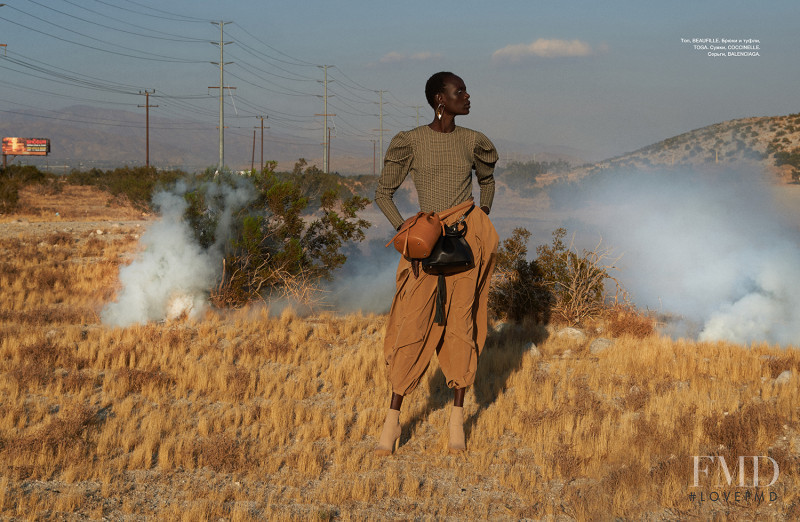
(602, 77)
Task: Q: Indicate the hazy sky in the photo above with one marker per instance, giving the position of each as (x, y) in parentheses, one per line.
(603, 77)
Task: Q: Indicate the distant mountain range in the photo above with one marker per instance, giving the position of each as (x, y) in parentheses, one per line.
(94, 137)
(83, 137)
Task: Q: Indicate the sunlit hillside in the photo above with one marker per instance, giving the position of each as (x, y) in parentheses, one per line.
(253, 415)
(748, 141)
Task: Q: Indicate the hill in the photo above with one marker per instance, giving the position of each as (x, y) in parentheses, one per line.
(747, 140)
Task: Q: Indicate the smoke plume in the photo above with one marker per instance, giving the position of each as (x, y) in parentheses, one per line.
(173, 273)
(712, 247)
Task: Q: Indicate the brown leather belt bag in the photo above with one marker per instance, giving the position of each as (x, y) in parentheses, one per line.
(418, 235)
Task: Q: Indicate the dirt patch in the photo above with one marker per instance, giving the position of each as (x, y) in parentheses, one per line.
(80, 211)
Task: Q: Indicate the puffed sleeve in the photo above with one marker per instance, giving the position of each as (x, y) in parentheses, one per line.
(485, 158)
(396, 165)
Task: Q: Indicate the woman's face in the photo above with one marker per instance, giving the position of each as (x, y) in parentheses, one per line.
(454, 97)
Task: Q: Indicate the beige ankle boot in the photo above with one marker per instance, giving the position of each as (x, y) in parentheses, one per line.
(390, 436)
(457, 442)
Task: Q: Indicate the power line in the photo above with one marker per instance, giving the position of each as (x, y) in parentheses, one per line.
(171, 38)
(174, 17)
(296, 61)
(156, 57)
(104, 15)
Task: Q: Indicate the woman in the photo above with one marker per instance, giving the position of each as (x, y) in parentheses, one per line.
(440, 158)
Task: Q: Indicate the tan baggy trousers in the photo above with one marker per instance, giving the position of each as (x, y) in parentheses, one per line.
(412, 336)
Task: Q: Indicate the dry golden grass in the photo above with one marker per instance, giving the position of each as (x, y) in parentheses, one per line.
(247, 415)
(40, 203)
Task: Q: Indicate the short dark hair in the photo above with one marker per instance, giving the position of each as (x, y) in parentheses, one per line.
(435, 85)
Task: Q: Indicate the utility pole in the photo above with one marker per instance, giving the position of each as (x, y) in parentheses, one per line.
(328, 162)
(262, 140)
(380, 117)
(4, 46)
(253, 159)
(374, 142)
(147, 123)
(221, 88)
(325, 132)
(418, 107)
(380, 130)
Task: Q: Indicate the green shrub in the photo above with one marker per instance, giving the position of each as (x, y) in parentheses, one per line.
(14, 177)
(560, 283)
(518, 286)
(521, 176)
(276, 249)
(134, 184)
(791, 158)
(9, 193)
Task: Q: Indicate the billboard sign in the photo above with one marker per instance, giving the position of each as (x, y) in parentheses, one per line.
(26, 146)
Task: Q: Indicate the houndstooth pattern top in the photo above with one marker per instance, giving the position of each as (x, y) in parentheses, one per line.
(441, 166)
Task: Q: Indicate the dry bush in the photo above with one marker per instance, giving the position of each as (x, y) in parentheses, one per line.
(59, 238)
(134, 381)
(75, 381)
(627, 320)
(219, 452)
(50, 315)
(579, 286)
(37, 362)
(68, 431)
(561, 285)
(244, 281)
(741, 432)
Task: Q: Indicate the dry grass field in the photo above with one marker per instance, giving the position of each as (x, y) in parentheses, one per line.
(249, 415)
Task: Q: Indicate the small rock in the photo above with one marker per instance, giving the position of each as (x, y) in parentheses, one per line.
(505, 328)
(500, 326)
(600, 344)
(98, 232)
(567, 354)
(572, 333)
(784, 377)
(532, 349)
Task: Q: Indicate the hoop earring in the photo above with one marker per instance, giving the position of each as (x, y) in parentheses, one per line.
(440, 111)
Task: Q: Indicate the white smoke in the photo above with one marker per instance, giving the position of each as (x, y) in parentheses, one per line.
(712, 247)
(366, 282)
(172, 275)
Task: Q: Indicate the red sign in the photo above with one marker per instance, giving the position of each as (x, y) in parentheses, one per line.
(26, 146)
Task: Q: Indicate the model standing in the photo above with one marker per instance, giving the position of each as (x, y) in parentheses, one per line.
(440, 157)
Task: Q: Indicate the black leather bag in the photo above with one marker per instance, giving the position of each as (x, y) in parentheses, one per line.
(452, 254)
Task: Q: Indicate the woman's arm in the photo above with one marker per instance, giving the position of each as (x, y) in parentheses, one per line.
(396, 165)
(485, 158)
